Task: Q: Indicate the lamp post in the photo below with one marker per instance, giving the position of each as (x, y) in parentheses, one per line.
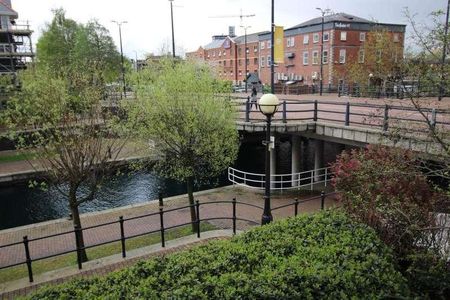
(246, 54)
(268, 105)
(368, 85)
(173, 35)
(323, 12)
(121, 55)
(272, 52)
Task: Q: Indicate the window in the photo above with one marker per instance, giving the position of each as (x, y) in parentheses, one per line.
(247, 51)
(220, 53)
(240, 73)
(305, 57)
(269, 44)
(239, 51)
(361, 56)
(269, 61)
(306, 39)
(224, 52)
(247, 61)
(224, 63)
(255, 48)
(343, 35)
(315, 57)
(261, 45)
(290, 42)
(325, 57)
(362, 36)
(342, 54)
(396, 38)
(255, 61)
(214, 53)
(326, 36)
(315, 37)
(240, 62)
(262, 61)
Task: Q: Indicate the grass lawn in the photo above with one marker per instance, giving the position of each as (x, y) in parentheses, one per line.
(58, 262)
(12, 157)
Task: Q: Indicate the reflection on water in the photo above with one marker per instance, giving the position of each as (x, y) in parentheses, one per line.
(21, 205)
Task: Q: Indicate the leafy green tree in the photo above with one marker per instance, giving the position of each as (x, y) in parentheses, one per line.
(192, 128)
(60, 120)
(66, 45)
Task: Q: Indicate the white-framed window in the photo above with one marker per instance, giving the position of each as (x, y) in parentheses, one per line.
(263, 61)
(342, 55)
(214, 53)
(326, 36)
(224, 52)
(255, 48)
(325, 57)
(343, 35)
(220, 53)
(396, 37)
(306, 39)
(362, 36)
(315, 57)
(361, 56)
(290, 42)
(269, 44)
(305, 58)
(269, 60)
(262, 45)
(315, 37)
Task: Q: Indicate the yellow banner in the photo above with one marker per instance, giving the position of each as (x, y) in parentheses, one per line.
(279, 45)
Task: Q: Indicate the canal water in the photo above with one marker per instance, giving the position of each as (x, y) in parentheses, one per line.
(21, 205)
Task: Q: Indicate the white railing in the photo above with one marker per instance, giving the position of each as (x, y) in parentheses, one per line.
(281, 181)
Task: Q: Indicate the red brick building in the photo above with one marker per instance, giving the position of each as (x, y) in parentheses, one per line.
(343, 38)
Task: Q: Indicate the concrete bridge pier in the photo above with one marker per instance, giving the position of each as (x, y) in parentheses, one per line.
(318, 159)
(296, 156)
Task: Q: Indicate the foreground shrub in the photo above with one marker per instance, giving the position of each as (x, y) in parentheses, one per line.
(383, 187)
(324, 255)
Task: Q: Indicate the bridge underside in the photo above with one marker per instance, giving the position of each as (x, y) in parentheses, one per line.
(349, 135)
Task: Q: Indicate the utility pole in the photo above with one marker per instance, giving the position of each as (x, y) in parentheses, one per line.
(121, 56)
(173, 35)
(272, 52)
(246, 54)
(444, 54)
(323, 12)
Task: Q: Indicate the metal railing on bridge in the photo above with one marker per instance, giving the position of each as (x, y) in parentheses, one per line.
(312, 178)
(384, 117)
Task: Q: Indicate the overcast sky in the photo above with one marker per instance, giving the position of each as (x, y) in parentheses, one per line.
(148, 29)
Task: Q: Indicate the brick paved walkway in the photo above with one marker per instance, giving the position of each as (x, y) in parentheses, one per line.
(53, 245)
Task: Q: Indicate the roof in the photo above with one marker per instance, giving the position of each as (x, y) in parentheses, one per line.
(6, 10)
(214, 44)
(338, 17)
(251, 38)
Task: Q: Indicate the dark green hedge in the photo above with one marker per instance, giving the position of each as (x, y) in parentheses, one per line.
(313, 256)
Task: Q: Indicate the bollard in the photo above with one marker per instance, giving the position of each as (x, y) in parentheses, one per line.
(77, 243)
(322, 200)
(296, 207)
(347, 114)
(160, 197)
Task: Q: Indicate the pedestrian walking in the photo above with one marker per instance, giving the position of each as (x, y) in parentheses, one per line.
(253, 98)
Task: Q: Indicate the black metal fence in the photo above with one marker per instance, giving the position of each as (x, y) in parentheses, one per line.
(121, 223)
(347, 113)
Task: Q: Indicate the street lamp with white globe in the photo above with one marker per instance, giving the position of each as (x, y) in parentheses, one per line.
(268, 105)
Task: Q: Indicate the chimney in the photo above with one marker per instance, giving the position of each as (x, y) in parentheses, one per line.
(231, 31)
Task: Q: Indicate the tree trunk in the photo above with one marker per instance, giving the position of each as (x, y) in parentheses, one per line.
(190, 190)
(76, 221)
